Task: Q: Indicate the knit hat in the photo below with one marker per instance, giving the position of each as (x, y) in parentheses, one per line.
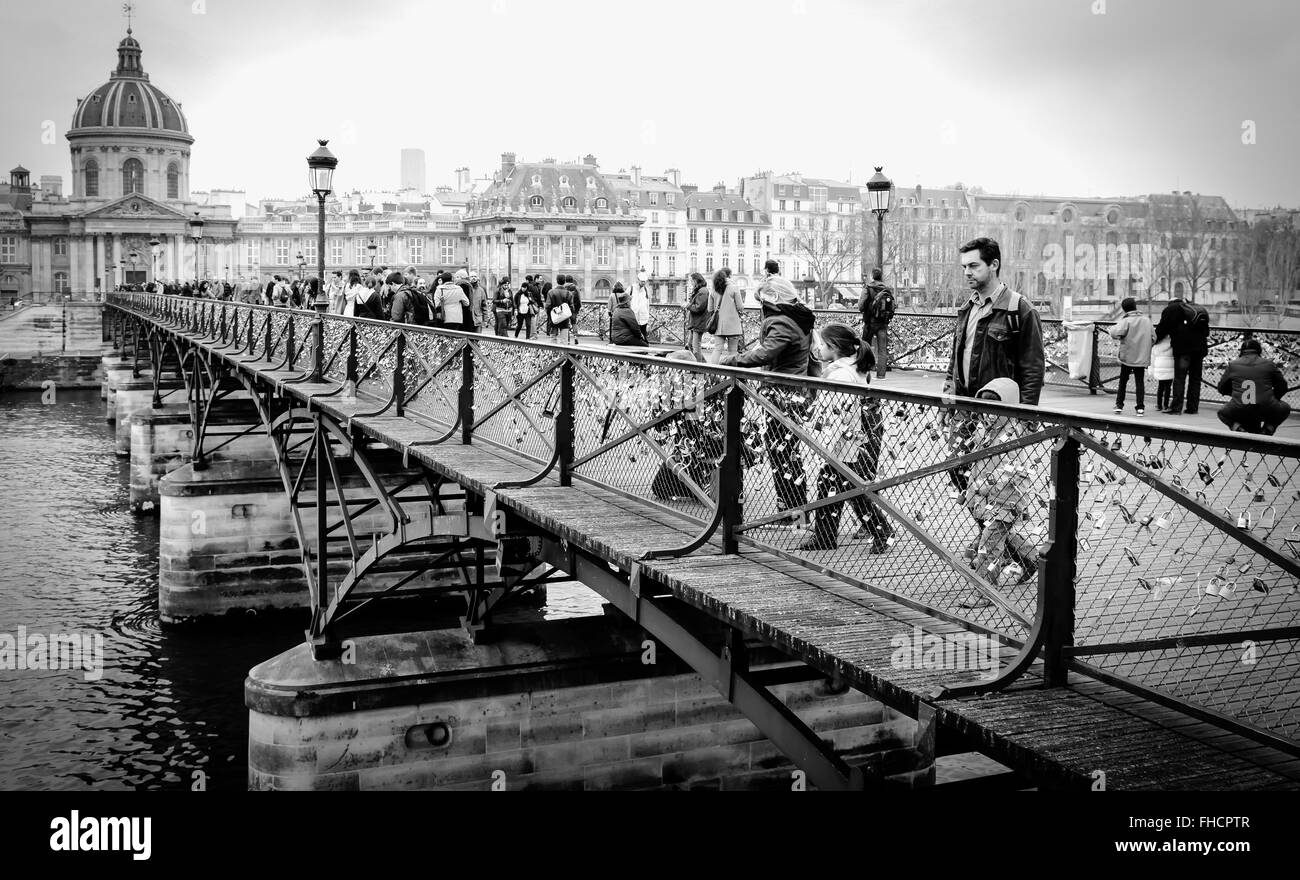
(461, 274)
(1006, 389)
(1129, 304)
(1251, 345)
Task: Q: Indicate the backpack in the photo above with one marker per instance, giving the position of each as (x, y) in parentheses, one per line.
(421, 308)
(882, 307)
(1198, 320)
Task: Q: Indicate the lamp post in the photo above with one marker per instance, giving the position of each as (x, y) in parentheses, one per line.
(302, 266)
(320, 171)
(372, 247)
(134, 258)
(154, 247)
(121, 274)
(880, 190)
(508, 239)
(196, 233)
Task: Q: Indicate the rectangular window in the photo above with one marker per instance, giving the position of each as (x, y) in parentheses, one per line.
(654, 217)
(756, 237)
(670, 199)
(694, 235)
(708, 263)
(780, 223)
(415, 250)
(537, 249)
(672, 266)
(726, 236)
(251, 255)
(758, 266)
(602, 251)
(798, 206)
(654, 199)
(570, 250)
(282, 251)
(60, 247)
(672, 240)
(382, 253)
(708, 235)
(654, 239)
(309, 251)
(818, 194)
(359, 253)
(8, 248)
(654, 265)
(336, 252)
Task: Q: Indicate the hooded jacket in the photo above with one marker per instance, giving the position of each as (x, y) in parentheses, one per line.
(784, 340)
(999, 488)
(1175, 323)
(624, 328)
(697, 320)
(452, 299)
(1136, 336)
(999, 352)
(867, 304)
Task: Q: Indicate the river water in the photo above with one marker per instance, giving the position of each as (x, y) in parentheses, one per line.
(168, 710)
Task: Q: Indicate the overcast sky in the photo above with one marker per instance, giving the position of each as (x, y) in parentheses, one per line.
(1027, 96)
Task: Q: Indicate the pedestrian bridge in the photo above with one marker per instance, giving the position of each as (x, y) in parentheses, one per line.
(1138, 629)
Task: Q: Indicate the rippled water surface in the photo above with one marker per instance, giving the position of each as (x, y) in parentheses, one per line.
(73, 559)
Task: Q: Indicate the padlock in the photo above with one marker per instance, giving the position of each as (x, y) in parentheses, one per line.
(1162, 522)
(1257, 585)
(1100, 524)
(1140, 458)
(1245, 567)
(1117, 498)
(1246, 521)
(1116, 446)
(1202, 497)
(1218, 587)
(1268, 519)
(1130, 556)
(1126, 514)
(1100, 497)
(1259, 495)
(1274, 481)
(1203, 471)
(1178, 483)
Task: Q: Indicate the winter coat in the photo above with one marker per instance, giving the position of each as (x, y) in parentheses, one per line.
(999, 489)
(368, 305)
(997, 352)
(783, 342)
(697, 319)
(478, 304)
(558, 295)
(1175, 323)
(403, 309)
(1136, 337)
(1162, 360)
(453, 301)
(729, 305)
(624, 328)
(640, 303)
(1270, 384)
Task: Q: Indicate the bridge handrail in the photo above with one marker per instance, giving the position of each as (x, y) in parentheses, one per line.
(1157, 551)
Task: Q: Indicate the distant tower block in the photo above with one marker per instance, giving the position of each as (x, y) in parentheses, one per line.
(413, 170)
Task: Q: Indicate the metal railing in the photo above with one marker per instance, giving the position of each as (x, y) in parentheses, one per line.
(1164, 561)
(924, 342)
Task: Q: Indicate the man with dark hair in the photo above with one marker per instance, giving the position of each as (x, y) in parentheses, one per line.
(998, 332)
(1256, 386)
(877, 307)
(1187, 327)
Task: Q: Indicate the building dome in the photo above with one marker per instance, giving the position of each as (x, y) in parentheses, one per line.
(128, 101)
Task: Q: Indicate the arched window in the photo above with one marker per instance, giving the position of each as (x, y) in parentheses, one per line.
(173, 181)
(569, 203)
(132, 177)
(602, 203)
(92, 178)
(535, 202)
(564, 180)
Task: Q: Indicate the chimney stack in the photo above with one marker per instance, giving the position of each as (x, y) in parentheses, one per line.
(590, 160)
(507, 164)
(462, 180)
(675, 176)
(636, 175)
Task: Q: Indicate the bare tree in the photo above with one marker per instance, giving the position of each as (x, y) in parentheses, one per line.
(830, 248)
(1184, 243)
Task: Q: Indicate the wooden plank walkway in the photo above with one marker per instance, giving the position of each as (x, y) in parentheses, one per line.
(1061, 737)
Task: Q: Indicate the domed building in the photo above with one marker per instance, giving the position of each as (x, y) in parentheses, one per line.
(127, 217)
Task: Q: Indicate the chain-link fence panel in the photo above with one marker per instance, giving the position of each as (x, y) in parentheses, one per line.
(515, 387)
(956, 527)
(376, 359)
(433, 376)
(1167, 555)
(651, 431)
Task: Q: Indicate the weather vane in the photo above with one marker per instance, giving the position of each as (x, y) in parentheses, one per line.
(127, 9)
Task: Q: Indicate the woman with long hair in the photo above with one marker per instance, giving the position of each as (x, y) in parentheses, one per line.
(697, 314)
(845, 358)
(727, 300)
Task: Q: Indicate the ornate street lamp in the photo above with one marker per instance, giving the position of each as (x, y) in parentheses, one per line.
(196, 233)
(372, 247)
(320, 171)
(302, 266)
(508, 239)
(880, 190)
